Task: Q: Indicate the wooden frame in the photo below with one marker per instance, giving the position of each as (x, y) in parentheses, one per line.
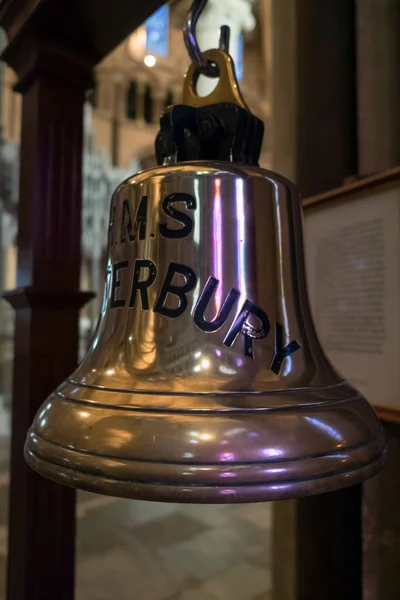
(379, 197)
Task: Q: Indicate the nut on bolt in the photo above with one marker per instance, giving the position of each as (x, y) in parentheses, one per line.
(208, 127)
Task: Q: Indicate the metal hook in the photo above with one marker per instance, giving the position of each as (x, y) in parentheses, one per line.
(202, 65)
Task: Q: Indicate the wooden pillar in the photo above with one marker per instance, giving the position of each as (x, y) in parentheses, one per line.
(329, 526)
(378, 62)
(283, 85)
(381, 519)
(326, 105)
(317, 541)
(329, 546)
(52, 82)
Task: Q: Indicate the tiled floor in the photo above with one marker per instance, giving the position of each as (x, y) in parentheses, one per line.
(151, 551)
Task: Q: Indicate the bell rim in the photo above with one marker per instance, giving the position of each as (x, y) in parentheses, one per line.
(160, 455)
(208, 494)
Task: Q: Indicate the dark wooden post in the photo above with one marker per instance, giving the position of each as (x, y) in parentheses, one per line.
(329, 527)
(326, 151)
(52, 81)
(329, 546)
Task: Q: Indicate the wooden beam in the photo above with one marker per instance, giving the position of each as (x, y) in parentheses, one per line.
(90, 27)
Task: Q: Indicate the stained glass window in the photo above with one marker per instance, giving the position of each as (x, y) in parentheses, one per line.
(157, 32)
(239, 57)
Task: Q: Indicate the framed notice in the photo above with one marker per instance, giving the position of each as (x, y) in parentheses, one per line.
(352, 246)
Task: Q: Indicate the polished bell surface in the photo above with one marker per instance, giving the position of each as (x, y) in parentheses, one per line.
(205, 380)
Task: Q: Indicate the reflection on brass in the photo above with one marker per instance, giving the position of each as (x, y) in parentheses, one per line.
(227, 89)
(205, 380)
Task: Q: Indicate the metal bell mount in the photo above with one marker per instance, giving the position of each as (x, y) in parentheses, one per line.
(205, 380)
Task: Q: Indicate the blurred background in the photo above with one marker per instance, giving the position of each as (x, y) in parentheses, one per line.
(323, 76)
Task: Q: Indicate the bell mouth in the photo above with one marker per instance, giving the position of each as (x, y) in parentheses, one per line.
(210, 456)
(203, 493)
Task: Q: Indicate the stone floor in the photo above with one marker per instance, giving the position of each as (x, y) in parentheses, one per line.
(130, 550)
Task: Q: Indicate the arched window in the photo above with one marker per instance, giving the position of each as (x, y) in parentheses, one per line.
(92, 95)
(169, 99)
(148, 105)
(157, 32)
(131, 100)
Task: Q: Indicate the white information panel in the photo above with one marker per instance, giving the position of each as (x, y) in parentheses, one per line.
(352, 246)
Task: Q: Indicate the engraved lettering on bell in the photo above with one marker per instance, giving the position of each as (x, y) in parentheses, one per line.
(140, 284)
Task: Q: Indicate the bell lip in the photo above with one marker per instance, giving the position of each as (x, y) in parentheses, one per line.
(211, 494)
(165, 456)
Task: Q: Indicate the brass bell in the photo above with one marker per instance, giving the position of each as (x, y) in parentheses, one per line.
(205, 380)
